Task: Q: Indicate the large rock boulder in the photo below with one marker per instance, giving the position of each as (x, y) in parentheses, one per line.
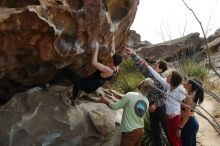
(45, 118)
(214, 46)
(38, 37)
(173, 49)
(134, 40)
(214, 42)
(214, 36)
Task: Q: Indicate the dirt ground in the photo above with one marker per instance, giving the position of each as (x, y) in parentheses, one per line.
(207, 136)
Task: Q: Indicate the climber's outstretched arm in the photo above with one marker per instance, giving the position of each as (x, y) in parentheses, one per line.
(103, 68)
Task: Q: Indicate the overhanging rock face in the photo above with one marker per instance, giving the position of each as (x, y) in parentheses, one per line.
(38, 37)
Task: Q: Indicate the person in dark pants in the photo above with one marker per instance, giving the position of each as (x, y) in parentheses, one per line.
(176, 93)
(90, 83)
(156, 118)
(189, 125)
(157, 108)
(189, 131)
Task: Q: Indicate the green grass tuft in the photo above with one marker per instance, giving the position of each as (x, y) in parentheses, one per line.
(191, 68)
(128, 79)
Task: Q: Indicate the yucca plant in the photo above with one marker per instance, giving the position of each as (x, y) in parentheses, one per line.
(192, 68)
(128, 78)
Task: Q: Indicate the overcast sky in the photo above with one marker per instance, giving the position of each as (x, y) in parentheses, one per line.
(159, 20)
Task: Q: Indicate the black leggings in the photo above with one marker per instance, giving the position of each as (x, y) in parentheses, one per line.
(87, 84)
(67, 74)
(72, 76)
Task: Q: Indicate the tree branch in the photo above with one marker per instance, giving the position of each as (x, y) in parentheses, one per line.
(206, 42)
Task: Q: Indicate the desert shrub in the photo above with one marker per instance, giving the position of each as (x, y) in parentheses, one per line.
(128, 66)
(192, 68)
(128, 78)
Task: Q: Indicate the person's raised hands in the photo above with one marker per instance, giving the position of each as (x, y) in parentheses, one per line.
(95, 45)
(129, 51)
(144, 62)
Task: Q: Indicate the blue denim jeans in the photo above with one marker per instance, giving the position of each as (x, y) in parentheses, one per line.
(189, 131)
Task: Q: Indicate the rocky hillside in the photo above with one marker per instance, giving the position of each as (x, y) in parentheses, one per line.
(39, 37)
(174, 49)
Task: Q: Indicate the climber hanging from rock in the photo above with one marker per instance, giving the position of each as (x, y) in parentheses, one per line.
(90, 83)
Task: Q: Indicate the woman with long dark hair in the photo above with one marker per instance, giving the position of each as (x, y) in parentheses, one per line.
(189, 126)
